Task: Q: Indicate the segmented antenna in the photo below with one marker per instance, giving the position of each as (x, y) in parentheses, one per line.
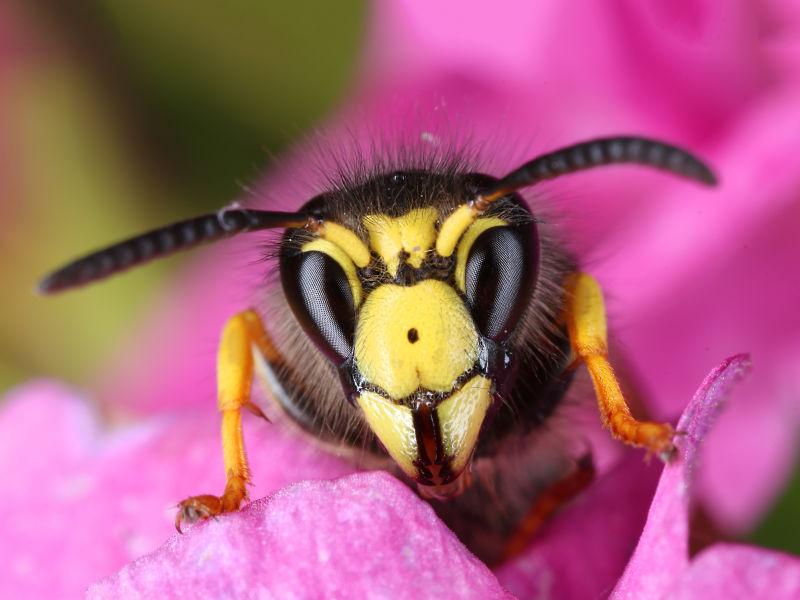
(167, 240)
(594, 153)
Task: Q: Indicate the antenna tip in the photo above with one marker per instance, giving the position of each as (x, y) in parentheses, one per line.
(708, 177)
(50, 284)
(43, 287)
(701, 172)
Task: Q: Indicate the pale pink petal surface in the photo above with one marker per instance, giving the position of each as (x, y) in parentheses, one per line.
(661, 561)
(581, 552)
(100, 499)
(737, 572)
(728, 286)
(663, 549)
(81, 502)
(363, 536)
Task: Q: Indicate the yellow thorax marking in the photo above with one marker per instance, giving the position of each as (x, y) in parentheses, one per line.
(413, 233)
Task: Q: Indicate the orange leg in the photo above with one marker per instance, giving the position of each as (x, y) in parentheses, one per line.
(586, 322)
(241, 333)
(548, 503)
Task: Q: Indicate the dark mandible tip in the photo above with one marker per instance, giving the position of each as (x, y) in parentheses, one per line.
(165, 241)
(599, 152)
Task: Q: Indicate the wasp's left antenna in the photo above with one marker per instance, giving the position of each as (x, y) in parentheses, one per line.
(167, 240)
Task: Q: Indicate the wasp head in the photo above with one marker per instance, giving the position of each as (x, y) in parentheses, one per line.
(415, 307)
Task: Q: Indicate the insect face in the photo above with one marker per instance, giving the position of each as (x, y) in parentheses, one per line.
(419, 335)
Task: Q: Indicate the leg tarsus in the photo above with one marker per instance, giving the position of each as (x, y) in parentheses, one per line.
(656, 438)
(200, 508)
(197, 508)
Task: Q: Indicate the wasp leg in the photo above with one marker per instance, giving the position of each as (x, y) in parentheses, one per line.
(552, 499)
(586, 323)
(241, 333)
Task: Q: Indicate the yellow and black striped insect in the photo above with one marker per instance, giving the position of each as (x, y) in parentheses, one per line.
(426, 314)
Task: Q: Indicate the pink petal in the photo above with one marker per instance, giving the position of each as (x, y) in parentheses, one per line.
(727, 278)
(584, 549)
(737, 572)
(80, 503)
(663, 550)
(684, 67)
(366, 535)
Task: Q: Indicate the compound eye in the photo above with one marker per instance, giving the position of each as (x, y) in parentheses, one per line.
(500, 276)
(321, 298)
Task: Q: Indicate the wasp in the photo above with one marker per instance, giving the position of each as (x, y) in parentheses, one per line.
(427, 320)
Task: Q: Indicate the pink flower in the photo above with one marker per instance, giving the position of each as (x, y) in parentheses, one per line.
(364, 534)
(660, 566)
(691, 276)
(83, 501)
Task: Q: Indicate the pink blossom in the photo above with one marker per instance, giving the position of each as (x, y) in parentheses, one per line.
(660, 566)
(362, 536)
(82, 501)
(691, 277)
(96, 496)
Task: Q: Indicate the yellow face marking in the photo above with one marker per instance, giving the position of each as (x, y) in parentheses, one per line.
(394, 426)
(465, 245)
(348, 241)
(445, 339)
(453, 227)
(337, 254)
(461, 417)
(413, 233)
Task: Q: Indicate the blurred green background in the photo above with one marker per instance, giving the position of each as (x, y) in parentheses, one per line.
(120, 116)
